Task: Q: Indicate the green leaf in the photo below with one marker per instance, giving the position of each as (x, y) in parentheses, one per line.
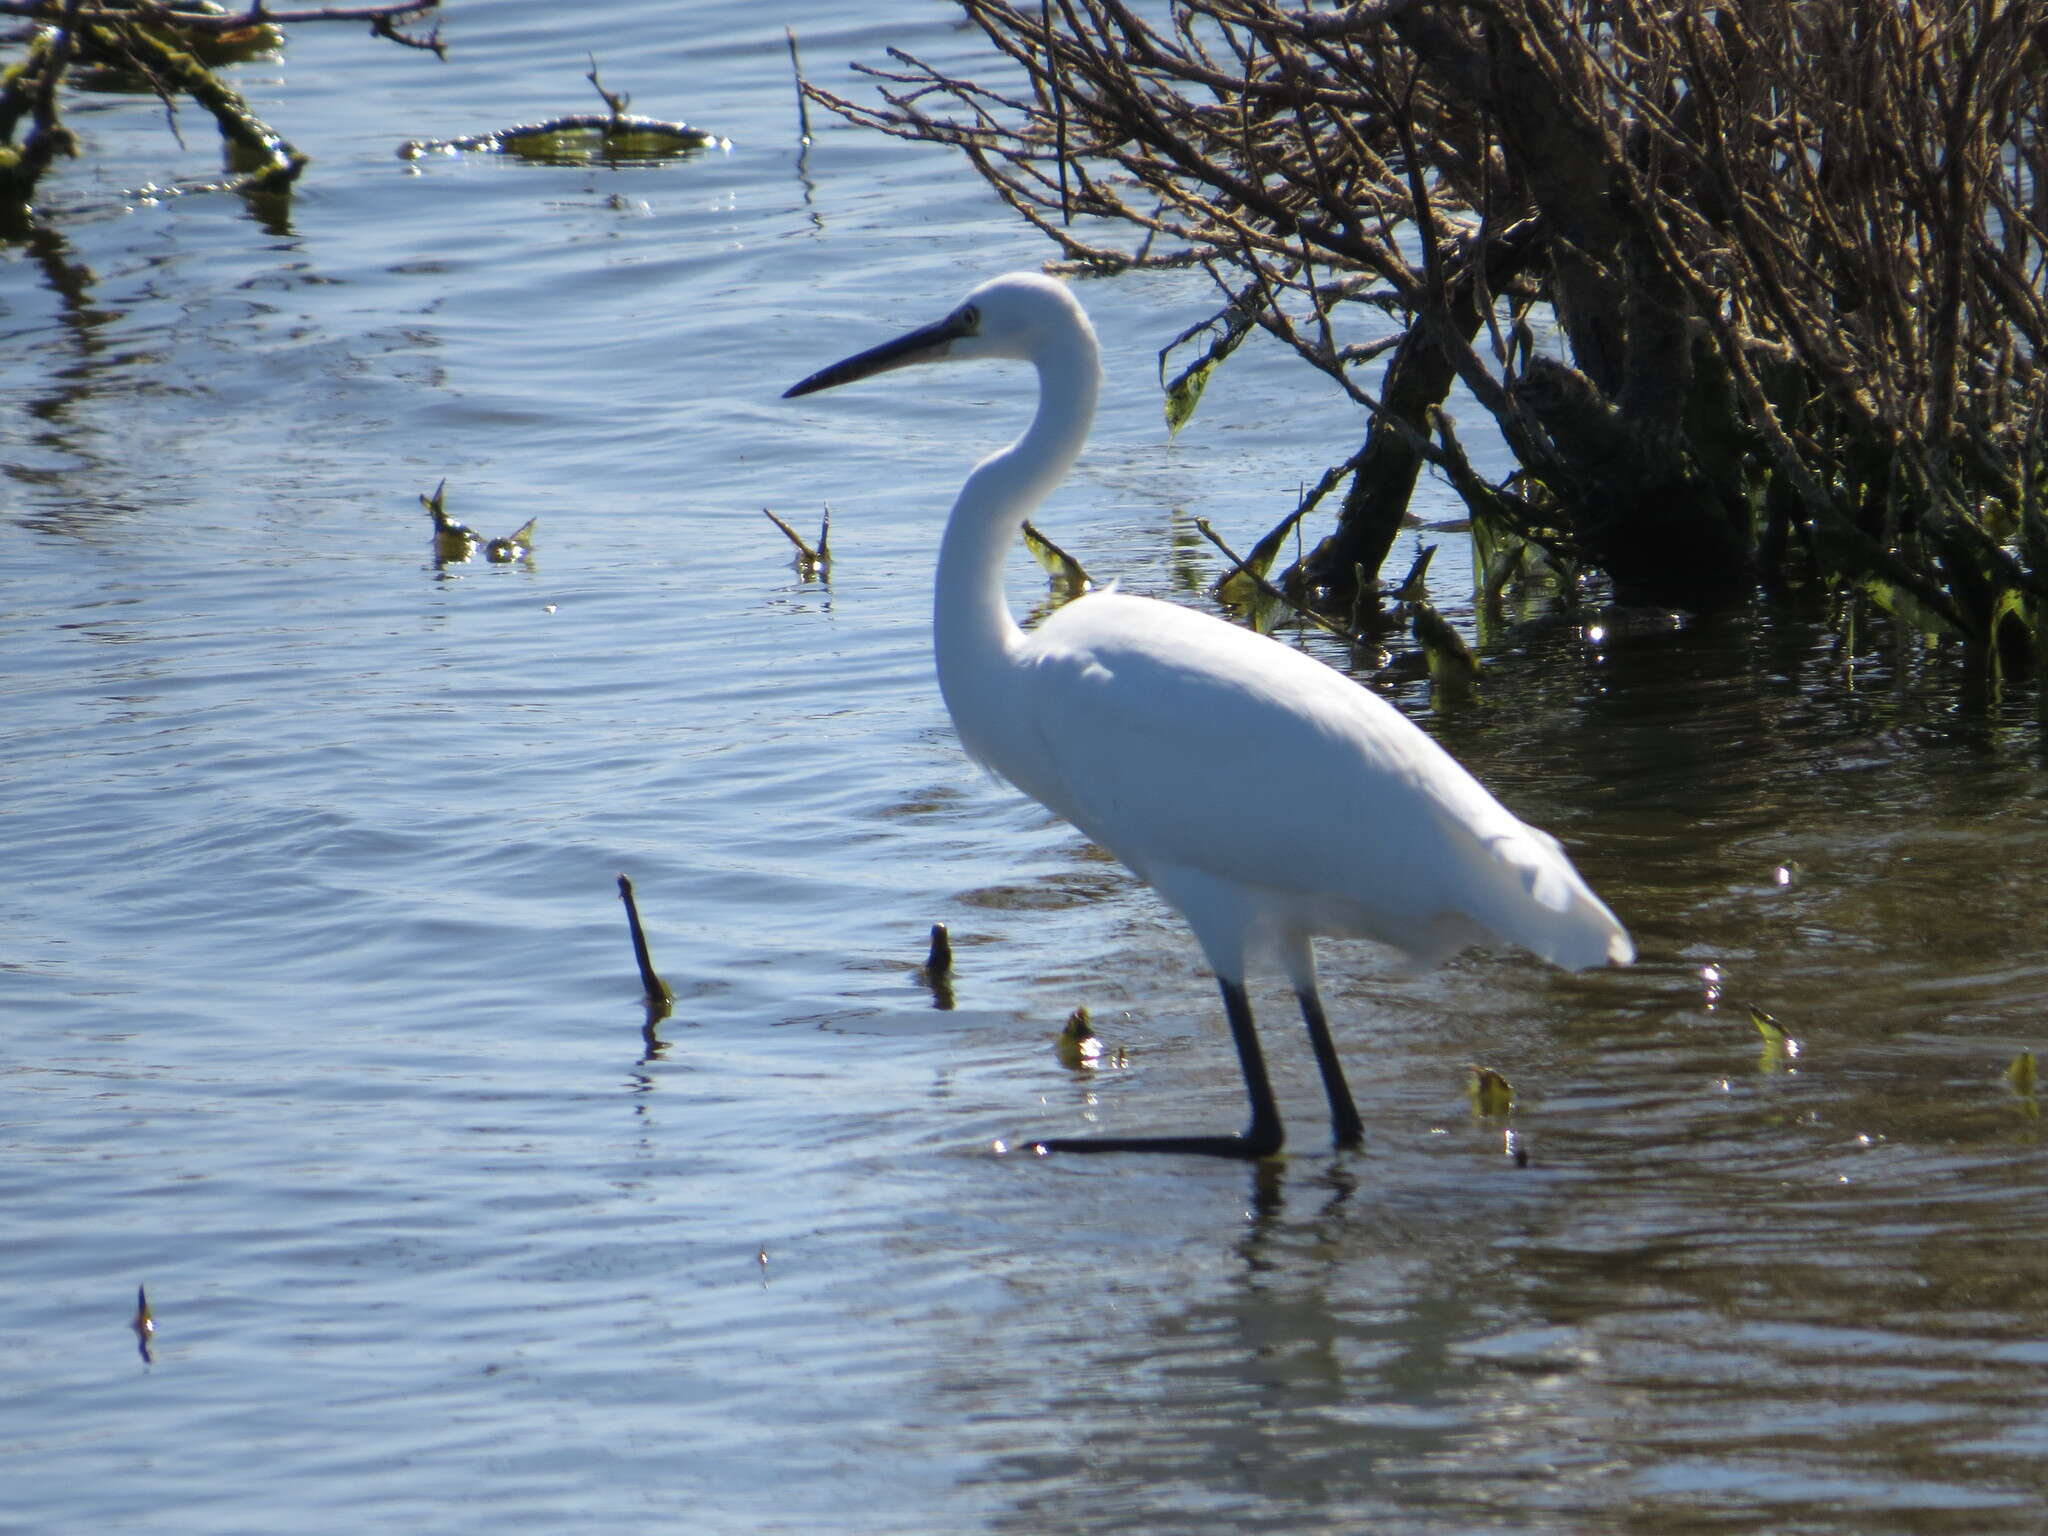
(1905, 607)
(2021, 1074)
(1184, 392)
(1453, 669)
(1240, 589)
(1077, 1046)
(1499, 553)
(516, 545)
(1491, 1094)
(1780, 1049)
(1068, 577)
(810, 562)
(1080, 1049)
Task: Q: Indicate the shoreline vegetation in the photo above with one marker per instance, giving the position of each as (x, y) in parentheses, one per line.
(171, 51)
(1755, 294)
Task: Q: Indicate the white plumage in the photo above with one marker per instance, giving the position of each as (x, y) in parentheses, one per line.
(1269, 798)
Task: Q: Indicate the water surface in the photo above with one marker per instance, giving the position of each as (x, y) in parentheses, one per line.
(321, 1019)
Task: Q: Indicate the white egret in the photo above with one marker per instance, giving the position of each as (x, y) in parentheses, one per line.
(1265, 795)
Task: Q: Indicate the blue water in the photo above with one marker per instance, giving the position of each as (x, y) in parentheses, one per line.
(321, 1019)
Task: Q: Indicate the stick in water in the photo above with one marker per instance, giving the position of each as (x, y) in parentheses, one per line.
(655, 988)
(803, 108)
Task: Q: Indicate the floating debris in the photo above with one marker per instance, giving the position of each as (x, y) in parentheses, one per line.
(516, 545)
(1080, 1049)
(811, 560)
(1078, 1046)
(1780, 1049)
(579, 139)
(1491, 1094)
(1069, 579)
(2022, 1077)
(455, 542)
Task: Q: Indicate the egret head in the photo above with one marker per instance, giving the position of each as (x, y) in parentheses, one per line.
(1016, 316)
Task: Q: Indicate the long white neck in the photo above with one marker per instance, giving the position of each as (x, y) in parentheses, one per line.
(972, 626)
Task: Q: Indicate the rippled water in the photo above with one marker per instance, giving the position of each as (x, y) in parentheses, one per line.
(321, 1019)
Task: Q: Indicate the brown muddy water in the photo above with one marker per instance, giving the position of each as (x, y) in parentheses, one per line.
(320, 1019)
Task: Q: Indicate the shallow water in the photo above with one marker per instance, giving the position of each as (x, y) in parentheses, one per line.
(321, 1019)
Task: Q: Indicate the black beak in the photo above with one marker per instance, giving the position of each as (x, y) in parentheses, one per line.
(926, 344)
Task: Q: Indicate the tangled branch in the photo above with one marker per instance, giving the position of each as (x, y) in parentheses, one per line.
(1752, 291)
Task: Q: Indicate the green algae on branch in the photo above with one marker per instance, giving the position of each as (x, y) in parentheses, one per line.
(589, 139)
(261, 160)
(170, 50)
(207, 32)
(610, 137)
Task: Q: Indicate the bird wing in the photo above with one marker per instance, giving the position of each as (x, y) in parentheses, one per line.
(1179, 742)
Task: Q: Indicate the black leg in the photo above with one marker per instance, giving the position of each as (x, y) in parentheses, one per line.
(1262, 1138)
(1345, 1126)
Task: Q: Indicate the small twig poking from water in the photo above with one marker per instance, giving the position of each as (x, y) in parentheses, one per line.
(144, 1324)
(1239, 564)
(616, 105)
(1415, 585)
(937, 970)
(1454, 672)
(811, 561)
(516, 545)
(1080, 1049)
(803, 106)
(1069, 579)
(652, 986)
(453, 542)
